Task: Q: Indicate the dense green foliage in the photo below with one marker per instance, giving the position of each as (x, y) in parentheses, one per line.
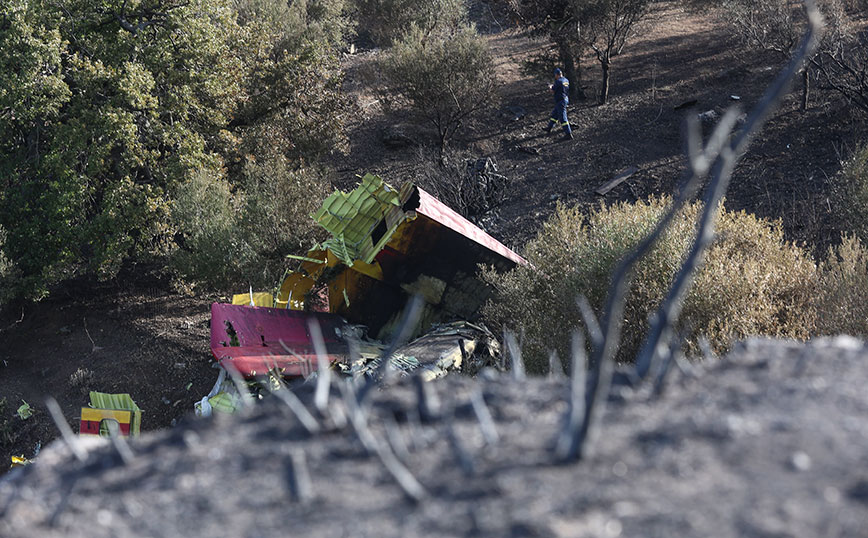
(851, 193)
(385, 21)
(243, 236)
(445, 73)
(752, 281)
(110, 110)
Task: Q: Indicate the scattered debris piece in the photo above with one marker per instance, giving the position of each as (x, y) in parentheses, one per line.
(686, 104)
(709, 117)
(25, 411)
(261, 298)
(223, 397)
(254, 341)
(528, 149)
(104, 408)
(735, 97)
(386, 246)
(514, 112)
(20, 461)
(617, 180)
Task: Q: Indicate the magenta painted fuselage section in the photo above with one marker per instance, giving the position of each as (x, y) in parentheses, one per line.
(254, 340)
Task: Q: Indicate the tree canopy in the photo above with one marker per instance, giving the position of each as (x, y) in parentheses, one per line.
(107, 108)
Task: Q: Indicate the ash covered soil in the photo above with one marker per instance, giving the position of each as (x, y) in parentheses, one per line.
(769, 441)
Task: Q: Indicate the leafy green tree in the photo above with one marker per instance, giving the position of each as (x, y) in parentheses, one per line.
(556, 20)
(108, 109)
(447, 76)
(387, 20)
(606, 26)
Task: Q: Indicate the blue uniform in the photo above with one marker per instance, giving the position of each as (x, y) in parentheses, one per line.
(561, 90)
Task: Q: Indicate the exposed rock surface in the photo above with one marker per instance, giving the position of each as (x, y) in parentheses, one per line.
(770, 441)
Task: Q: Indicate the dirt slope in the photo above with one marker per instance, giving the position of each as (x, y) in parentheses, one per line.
(148, 342)
(767, 442)
(675, 57)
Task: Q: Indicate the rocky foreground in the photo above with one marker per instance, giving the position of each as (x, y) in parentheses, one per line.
(770, 441)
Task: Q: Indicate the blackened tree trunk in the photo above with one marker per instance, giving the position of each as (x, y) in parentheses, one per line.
(571, 69)
(604, 90)
(806, 87)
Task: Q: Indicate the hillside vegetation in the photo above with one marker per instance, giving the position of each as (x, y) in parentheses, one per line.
(157, 155)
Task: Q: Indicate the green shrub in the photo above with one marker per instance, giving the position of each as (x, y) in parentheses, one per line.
(447, 77)
(851, 193)
(387, 20)
(843, 298)
(7, 269)
(229, 240)
(752, 280)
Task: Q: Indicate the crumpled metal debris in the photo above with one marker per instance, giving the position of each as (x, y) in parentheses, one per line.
(386, 246)
(118, 408)
(445, 348)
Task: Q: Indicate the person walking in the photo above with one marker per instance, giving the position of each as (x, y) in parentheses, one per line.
(561, 91)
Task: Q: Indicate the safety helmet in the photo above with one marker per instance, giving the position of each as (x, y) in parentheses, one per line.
(557, 71)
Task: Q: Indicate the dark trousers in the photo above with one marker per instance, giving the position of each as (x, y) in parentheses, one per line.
(559, 117)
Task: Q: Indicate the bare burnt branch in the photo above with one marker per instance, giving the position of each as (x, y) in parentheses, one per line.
(462, 456)
(119, 443)
(396, 439)
(483, 415)
(555, 369)
(591, 323)
(428, 405)
(285, 395)
(65, 431)
(357, 417)
(323, 372)
(516, 364)
(566, 445)
(402, 475)
(298, 476)
(668, 312)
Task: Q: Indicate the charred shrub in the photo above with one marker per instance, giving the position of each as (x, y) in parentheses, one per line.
(469, 185)
(752, 281)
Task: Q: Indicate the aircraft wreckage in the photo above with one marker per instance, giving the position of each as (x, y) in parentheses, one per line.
(386, 245)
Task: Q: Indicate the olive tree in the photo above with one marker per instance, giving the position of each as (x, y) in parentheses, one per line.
(108, 109)
(606, 26)
(554, 19)
(777, 25)
(446, 76)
